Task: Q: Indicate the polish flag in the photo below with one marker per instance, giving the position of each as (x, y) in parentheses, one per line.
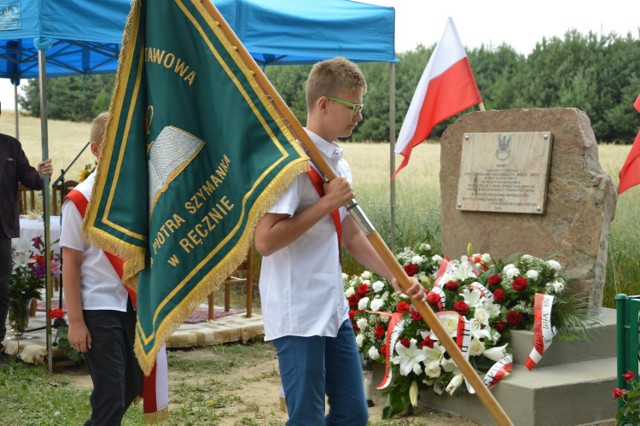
(446, 88)
(630, 172)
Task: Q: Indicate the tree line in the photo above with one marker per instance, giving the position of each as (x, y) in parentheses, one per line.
(595, 73)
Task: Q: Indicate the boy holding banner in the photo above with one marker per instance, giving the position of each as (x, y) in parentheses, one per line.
(305, 312)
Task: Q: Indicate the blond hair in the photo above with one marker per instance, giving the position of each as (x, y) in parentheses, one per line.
(97, 127)
(332, 76)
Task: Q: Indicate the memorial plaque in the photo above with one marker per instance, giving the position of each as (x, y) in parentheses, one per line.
(504, 172)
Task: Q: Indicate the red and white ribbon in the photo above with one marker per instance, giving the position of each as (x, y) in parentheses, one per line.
(394, 329)
(498, 371)
(485, 292)
(543, 330)
(443, 271)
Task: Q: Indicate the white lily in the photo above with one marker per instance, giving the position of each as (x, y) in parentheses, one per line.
(454, 383)
(473, 298)
(496, 353)
(413, 394)
(409, 358)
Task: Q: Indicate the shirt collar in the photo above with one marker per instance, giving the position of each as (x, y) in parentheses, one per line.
(330, 150)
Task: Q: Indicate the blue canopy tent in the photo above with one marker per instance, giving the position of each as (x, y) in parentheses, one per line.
(47, 38)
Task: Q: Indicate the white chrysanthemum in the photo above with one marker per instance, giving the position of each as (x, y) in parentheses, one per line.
(496, 353)
(376, 304)
(378, 286)
(362, 323)
(553, 264)
(482, 315)
(350, 292)
(532, 274)
(512, 272)
(558, 286)
(436, 258)
(373, 353)
(366, 275)
(485, 258)
(345, 277)
(367, 282)
(425, 247)
(417, 260)
(385, 319)
(527, 257)
(363, 303)
(360, 339)
(476, 347)
(454, 383)
(409, 359)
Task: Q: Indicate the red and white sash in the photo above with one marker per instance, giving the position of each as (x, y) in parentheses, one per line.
(155, 386)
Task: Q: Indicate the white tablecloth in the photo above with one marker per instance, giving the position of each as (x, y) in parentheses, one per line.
(31, 228)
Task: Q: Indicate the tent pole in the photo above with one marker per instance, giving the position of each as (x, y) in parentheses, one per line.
(15, 106)
(42, 64)
(392, 157)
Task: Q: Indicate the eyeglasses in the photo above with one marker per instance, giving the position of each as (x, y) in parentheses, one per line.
(355, 108)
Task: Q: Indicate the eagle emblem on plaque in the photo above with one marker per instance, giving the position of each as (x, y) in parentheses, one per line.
(503, 152)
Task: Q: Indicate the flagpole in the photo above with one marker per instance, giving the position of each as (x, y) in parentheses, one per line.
(378, 243)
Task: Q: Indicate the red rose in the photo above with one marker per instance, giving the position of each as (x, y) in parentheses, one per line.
(514, 318)
(403, 307)
(411, 269)
(427, 342)
(452, 286)
(353, 300)
(415, 315)
(461, 307)
(379, 331)
(352, 314)
(619, 393)
(405, 342)
(628, 376)
(433, 298)
(363, 289)
(520, 283)
(494, 280)
(56, 313)
(499, 295)
(356, 328)
(384, 350)
(500, 326)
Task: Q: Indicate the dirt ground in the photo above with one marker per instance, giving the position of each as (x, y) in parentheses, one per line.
(259, 390)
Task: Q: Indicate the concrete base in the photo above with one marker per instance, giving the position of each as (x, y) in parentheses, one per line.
(571, 385)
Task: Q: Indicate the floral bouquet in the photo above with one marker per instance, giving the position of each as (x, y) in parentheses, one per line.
(478, 301)
(29, 269)
(28, 278)
(61, 341)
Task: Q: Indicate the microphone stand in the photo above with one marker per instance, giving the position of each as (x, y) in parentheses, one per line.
(60, 181)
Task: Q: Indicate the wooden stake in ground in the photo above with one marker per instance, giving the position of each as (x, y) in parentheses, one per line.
(378, 243)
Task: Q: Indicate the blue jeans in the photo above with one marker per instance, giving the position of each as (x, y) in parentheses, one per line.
(311, 367)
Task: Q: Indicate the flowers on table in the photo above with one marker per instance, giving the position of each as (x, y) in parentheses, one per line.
(477, 300)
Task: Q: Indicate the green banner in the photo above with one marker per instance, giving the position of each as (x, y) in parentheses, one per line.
(194, 154)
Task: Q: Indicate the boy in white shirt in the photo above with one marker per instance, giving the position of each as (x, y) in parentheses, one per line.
(101, 315)
(304, 309)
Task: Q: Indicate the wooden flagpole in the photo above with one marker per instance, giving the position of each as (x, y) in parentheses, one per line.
(378, 243)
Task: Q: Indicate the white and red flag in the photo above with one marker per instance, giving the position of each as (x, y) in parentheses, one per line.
(630, 172)
(447, 87)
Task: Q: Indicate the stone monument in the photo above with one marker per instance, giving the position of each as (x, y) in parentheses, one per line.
(528, 181)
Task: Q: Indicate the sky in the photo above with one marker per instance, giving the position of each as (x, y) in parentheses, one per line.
(491, 22)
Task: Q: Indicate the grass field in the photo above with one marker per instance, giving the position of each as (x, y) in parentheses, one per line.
(417, 203)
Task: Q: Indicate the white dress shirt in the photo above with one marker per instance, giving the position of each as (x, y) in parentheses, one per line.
(301, 288)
